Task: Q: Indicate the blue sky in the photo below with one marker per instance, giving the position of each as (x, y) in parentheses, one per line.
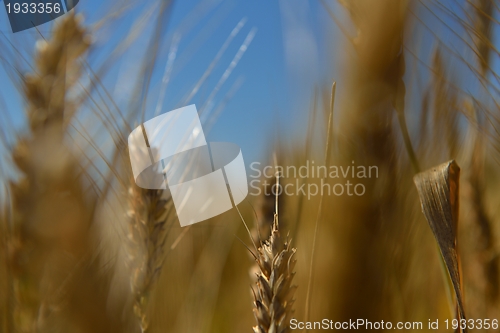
(291, 53)
(270, 87)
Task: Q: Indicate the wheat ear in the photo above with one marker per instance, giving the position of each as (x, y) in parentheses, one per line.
(148, 216)
(273, 300)
(51, 212)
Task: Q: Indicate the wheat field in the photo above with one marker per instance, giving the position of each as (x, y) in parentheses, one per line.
(408, 110)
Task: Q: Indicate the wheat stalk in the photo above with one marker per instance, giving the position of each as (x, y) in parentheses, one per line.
(482, 28)
(484, 11)
(273, 300)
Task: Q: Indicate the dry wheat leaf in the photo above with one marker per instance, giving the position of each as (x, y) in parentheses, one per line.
(438, 190)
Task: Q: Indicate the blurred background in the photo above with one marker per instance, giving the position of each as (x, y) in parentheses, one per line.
(85, 250)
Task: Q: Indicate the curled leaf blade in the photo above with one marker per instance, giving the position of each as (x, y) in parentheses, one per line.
(438, 189)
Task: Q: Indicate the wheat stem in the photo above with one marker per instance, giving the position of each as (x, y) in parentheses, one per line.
(320, 206)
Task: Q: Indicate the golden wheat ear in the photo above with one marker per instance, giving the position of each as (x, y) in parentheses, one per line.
(57, 285)
(273, 300)
(148, 216)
